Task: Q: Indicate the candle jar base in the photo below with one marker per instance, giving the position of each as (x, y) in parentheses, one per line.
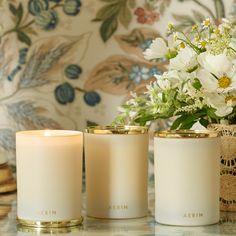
(186, 223)
(50, 224)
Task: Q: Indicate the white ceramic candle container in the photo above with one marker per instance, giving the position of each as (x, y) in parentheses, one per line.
(187, 173)
(49, 177)
(116, 160)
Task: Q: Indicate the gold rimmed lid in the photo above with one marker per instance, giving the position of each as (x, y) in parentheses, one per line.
(117, 129)
(187, 134)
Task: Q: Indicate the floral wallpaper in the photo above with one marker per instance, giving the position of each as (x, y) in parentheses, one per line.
(66, 64)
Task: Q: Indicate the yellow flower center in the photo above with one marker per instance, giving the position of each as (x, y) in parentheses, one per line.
(216, 31)
(224, 81)
(230, 98)
(203, 43)
(182, 45)
(206, 22)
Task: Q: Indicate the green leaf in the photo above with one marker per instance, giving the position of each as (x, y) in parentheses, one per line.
(177, 122)
(108, 27)
(132, 3)
(196, 84)
(125, 16)
(144, 119)
(211, 113)
(24, 38)
(188, 125)
(13, 9)
(188, 122)
(184, 121)
(19, 13)
(204, 122)
(107, 12)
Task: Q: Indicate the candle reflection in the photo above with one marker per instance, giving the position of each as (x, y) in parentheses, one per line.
(68, 231)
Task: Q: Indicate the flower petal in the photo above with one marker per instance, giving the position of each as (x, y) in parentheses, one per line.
(157, 49)
(208, 81)
(185, 60)
(216, 64)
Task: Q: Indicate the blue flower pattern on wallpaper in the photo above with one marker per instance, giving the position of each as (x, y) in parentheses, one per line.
(43, 77)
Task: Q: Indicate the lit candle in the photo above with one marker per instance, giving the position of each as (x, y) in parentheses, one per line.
(116, 171)
(187, 173)
(49, 177)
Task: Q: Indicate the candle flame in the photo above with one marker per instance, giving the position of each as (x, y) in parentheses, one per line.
(47, 132)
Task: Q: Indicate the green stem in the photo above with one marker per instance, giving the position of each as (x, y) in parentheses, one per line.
(195, 48)
(232, 49)
(80, 90)
(26, 25)
(57, 5)
(205, 8)
(16, 28)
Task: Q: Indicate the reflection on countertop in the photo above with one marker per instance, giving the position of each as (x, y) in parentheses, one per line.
(97, 227)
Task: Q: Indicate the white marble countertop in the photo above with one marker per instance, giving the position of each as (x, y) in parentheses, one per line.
(132, 227)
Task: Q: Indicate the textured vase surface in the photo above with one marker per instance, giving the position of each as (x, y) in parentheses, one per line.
(227, 166)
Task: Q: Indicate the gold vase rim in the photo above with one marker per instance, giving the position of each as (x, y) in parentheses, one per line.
(48, 224)
(187, 134)
(117, 129)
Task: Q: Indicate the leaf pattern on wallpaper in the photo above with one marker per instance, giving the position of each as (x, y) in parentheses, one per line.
(113, 13)
(48, 57)
(203, 11)
(119, 75)
(28, 116)
(164, 5)
(7, 139)
(137, 40)
(8, 60)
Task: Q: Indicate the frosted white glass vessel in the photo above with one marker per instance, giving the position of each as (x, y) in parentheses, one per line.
(116, 160)
(49, 177)
(187, 173)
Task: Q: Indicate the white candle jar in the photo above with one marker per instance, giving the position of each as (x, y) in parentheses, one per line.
(49, 177)
(187, 173)
(116, 160)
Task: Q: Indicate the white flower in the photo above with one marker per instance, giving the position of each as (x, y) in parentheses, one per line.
(169, 79)
(132, 114)
(185, 60)
(163, 83)
(157, 49)
(223, 103)
(214, 63)
(206, 23)
(218, 73)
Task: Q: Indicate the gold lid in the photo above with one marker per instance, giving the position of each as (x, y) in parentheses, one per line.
(117, 129)
(187, 134)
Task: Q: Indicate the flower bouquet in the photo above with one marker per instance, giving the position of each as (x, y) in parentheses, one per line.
(199, 86)
(200, 83)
